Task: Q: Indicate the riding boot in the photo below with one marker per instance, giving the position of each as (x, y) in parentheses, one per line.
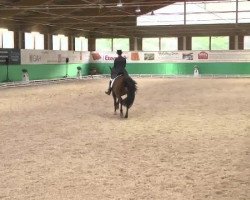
(109, 89)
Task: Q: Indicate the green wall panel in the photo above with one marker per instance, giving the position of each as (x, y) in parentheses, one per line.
(37, 72)
(2, 73)
(179, 68)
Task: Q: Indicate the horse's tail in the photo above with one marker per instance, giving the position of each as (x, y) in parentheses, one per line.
(130, 84)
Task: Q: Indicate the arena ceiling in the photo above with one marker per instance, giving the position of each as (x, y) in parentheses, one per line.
(99, 18)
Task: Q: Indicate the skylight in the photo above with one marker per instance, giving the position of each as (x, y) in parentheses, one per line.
(198, 12)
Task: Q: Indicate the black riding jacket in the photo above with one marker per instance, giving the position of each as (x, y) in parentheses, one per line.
(119, 67)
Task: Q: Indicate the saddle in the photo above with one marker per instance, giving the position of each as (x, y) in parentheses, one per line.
(113, 80)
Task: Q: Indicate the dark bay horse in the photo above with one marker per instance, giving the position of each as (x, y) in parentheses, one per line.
(123, 85)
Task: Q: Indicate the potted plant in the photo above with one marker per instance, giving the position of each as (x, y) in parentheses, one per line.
(24, 70)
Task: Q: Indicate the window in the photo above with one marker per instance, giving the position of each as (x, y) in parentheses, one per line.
(6, 38)
(211, 12)
(81, 44)
(150, 44)
(60, 42)
(173, 14)
(121, 43)
(39, 41)
(200, 43)
(64, 42)
(104, 44)
(29, 41)
(246, 42)
(56, 42)
(78, 44)
(220, 43)
(217, 43)
(244, 11)
(112, 44)
(34, 40)
(169, 44)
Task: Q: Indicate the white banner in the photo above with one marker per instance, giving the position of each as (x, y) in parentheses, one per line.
(223, 56)
(59, 57)
(53, 57)
(173, 56)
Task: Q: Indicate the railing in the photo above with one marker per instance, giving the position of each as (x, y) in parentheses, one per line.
(61, 80)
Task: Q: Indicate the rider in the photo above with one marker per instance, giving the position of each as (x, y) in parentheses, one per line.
(119, 68)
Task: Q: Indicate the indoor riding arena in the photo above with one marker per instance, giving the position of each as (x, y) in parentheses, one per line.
(187, 134)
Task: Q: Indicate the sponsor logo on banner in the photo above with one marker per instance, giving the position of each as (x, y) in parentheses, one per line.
(203, 55)
(35, 58)
(169, 55)
(96, 56)
(3, 55)
(13, 55)
(149, 56)
(187, 56)
(107, 57)
(112, 57)
(135, 56)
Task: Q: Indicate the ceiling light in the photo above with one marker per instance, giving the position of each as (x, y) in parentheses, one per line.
(3, 30)
(61, 36)
(119, 4)
(138, 10)
(35, 33)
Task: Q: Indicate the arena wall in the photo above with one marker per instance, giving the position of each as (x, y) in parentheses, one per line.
(181, 68)
(177, 62)
(42, 71)
(47, 64)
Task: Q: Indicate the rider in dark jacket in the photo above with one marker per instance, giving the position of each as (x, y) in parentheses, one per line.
(119, 68)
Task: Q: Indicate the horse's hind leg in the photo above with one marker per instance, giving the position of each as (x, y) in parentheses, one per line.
(115, 104)
(126, 115)
(121, 111)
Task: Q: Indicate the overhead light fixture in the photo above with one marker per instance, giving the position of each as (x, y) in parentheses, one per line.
(119, 4)
(3, 30)
(138, 10)
(35, 33)
(60, 36)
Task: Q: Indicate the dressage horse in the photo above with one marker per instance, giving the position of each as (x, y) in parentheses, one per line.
(123, 85)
